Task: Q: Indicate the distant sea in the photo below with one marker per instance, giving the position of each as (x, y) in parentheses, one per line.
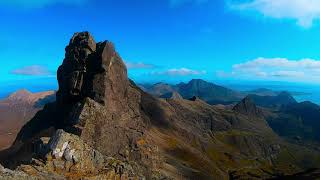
(308, 92)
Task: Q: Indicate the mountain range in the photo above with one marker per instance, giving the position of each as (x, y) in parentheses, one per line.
(101, 125)
(209, 92)
(216, 94)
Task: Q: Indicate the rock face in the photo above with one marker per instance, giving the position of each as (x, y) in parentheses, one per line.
(95, 98)
(91, 70)
(103, 126)
(247, 107)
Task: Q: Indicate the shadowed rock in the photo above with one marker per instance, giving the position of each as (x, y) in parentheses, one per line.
(247, 107)
(90, 70)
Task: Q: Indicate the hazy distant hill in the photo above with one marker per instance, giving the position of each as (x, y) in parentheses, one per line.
(17, 109)
(270, 92)
(262, 92)
(215, 94)
(282, 99)
(209, 92)
(160, 89)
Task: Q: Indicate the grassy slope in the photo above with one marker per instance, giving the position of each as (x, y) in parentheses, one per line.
(235, 146)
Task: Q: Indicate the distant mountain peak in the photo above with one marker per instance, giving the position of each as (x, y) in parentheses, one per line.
(172, 95)
(198, 81)
(19, 95)
(284, 93)
(21, 92)
(25, 96)
(282, 99)
(160, 83)
(247, 107)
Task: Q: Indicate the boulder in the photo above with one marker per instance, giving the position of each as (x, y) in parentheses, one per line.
(67, 152)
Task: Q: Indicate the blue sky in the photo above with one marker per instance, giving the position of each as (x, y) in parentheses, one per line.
(167, 40)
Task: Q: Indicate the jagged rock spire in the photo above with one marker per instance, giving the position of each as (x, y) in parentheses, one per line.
(91, 69)
(72, 73)
(247, 107)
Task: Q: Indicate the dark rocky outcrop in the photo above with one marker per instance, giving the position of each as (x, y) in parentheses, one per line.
(247, 107)
(91, 70)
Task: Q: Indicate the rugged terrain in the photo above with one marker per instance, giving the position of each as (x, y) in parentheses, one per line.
(103, 126)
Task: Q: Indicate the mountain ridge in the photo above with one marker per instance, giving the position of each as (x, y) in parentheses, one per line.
(207, 91)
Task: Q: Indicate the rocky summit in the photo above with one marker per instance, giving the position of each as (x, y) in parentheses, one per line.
(103, 126)
(247, 107)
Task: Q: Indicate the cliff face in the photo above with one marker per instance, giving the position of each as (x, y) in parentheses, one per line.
(95, 97)
(129, 133)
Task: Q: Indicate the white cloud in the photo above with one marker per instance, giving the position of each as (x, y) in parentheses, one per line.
(180, 72)
(276, 69)
(37, 3)
(304, 12)
(139, 65)
(34, 70)
(279, 63)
